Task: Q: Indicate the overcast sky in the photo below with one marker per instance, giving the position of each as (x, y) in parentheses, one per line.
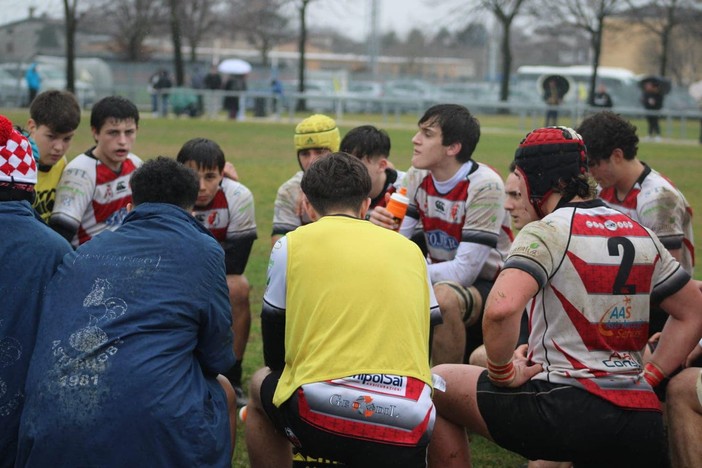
(351, 17)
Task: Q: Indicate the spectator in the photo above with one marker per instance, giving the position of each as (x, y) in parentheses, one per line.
(458, 203)
(93, 193)
(160, 83)
(601, 97)
(232, 102)
(553, 98)
(226, 208)
(31, 252)
(213, 82)
(629, 185)
(197, 82)
(54, 117)
(652, 100)
(278, 94)
(124, 349)
(579, 390)
(33, 79)
(333, 386)
(315, 137)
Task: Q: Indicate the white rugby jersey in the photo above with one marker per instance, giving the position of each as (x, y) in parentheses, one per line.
(597, 270)
(657, 204)
(91, 197)
(286, 202)
(472, 211)
(230, 215)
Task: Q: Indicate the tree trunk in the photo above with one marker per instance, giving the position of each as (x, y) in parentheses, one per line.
(70, 11)
(177, 42)
(301, 104)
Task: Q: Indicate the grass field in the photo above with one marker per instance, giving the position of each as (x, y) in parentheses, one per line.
(263, 154)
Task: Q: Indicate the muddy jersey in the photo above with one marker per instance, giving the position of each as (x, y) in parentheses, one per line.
(472, 211)
(598, 271)
(230, 214)
(657, 204)
(91, 197)
(285, 217)
(47, 179)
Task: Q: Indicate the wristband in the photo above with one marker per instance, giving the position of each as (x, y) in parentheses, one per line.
(653, 374)
(501, 373)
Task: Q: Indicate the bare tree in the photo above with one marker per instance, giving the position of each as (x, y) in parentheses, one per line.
(262, 23)
(588, 16)
(504, 11)
(663, 18)
(131, 22)
(197, 18)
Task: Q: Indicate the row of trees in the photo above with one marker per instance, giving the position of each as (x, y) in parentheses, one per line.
(267, 23)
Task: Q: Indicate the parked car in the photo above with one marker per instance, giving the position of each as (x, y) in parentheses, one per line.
(363, 97)
(409, 95)
(319, 95)
(12, 93)
(52, 77)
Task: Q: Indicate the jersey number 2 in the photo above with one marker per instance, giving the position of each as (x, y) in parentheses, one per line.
(627, 262)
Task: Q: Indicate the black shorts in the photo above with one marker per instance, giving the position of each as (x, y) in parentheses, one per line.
(542, 420)
(317, 443)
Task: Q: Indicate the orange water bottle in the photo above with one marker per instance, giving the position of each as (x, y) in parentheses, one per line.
(397, 205)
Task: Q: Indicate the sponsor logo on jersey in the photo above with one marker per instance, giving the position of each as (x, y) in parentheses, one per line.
(378, 380)
(364, 405)
(531, 249)
(610, 225)
(440, 240)
(621, 361)
(121, 185)
(615, 321)
(440, 206)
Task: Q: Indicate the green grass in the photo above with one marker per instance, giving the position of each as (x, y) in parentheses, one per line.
(263, 154)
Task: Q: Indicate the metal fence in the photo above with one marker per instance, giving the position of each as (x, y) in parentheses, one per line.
(266, 104)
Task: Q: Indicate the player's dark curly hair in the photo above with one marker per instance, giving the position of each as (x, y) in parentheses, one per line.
(606, 131)
(164, 180)
(336, 182)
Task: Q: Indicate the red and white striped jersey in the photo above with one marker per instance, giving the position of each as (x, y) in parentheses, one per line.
(230, 215)
(472, 211)
(91, 197)
(598, 271)
(657, 204)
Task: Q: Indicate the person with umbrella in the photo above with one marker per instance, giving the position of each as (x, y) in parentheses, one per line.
(553, 96)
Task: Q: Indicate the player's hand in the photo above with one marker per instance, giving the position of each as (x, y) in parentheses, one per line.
(229, 171)
(380, 216)
(524, 370)
(693, 356)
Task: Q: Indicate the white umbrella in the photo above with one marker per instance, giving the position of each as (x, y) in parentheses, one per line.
(695, 91)
(234, 67)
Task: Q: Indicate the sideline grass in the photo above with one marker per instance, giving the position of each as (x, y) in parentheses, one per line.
(264, 156)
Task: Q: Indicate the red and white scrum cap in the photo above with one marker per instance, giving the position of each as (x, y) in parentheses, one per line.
(17, 165)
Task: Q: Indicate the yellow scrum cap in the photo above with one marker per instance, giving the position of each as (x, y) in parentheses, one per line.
(317, 131)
